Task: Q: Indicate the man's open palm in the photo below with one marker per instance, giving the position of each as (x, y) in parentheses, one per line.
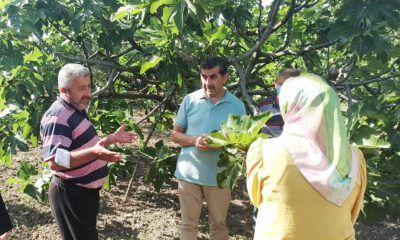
(123, 136)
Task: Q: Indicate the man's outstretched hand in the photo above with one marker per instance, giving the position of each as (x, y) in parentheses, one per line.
(119, 136)
(104, 154)
(122, 136)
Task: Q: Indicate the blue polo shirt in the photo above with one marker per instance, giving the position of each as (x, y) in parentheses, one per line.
(197, 115)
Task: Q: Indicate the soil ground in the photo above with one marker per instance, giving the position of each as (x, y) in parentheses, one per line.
(146, 214)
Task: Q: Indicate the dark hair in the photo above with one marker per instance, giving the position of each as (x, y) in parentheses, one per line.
(214, 61)
(285, 74)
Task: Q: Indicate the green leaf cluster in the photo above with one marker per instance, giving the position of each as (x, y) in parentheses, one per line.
(121, 169)
(163, 164)
(33, 182)
(375, 129)
(239, 131)
(235, 137)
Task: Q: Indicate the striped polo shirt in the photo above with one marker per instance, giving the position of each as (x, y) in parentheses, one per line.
(274, 126)
(63, 126)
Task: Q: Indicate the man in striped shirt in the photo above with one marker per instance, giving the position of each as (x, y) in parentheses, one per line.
(78, 156)
(274, 126)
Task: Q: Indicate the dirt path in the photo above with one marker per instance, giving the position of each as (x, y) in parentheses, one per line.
(146, 215)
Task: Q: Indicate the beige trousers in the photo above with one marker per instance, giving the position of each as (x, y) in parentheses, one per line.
(191, 200)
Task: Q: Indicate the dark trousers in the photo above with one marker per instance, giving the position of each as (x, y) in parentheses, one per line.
(254, 217)
(75, 209)
(5, 222)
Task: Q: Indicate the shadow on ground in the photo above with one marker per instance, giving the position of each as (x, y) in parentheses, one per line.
(27, 216)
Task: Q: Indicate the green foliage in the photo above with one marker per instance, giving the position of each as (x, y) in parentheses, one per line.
(235, 138)
(14, 129)
(163, 164)
(375, 128)
(239, 131)
(147, 65)
(155, 46)
(121, 169)
(231, 166)
(25, 178)
(109, 121)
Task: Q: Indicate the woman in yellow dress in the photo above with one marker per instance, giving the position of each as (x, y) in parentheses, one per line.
(309, 182)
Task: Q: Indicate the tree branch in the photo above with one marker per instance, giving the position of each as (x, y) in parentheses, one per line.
(288, 16)
(158, 106)
(260, 92)
(346, 69)
(370, 81)
(153, 128)
(286, 39)
(305, 4)
(272, 16)
(260, 7)
(122, 53)
(99, 62)
(131, 96)
(305, 50)
(110, 82)
(90, 61)
(242, 76)
(349, 100)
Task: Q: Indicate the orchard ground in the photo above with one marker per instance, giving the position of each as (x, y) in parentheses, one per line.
(147, 214)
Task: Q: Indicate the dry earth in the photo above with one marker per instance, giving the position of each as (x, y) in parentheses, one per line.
(146, 214)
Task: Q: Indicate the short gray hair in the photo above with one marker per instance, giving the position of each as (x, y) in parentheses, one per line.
(70, 72)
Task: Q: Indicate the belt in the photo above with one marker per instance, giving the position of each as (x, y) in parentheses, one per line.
(67, 183)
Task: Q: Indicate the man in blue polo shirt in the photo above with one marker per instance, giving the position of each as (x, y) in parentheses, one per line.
(200, 113)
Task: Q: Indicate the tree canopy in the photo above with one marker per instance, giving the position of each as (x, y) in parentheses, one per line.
(145, 55)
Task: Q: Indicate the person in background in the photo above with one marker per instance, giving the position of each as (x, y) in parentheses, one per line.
(5, 222)
(273, 127)
(200, 113)
(77, 155)
(309, 182)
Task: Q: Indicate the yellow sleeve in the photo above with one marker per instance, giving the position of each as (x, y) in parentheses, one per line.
(254, 172)
(363, 185)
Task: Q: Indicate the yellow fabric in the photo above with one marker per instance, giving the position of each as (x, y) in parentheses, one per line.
(289, 207)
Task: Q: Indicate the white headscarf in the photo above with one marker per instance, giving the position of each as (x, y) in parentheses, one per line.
(315, 136)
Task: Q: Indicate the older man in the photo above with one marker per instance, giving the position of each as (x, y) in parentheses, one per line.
(78, 156)
(200, 113)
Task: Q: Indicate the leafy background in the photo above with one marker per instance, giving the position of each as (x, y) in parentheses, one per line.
(144, 57)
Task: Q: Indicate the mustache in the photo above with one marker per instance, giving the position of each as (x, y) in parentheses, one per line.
(86, 98)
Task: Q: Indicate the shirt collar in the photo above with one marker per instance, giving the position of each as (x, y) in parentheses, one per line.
(226, 98)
